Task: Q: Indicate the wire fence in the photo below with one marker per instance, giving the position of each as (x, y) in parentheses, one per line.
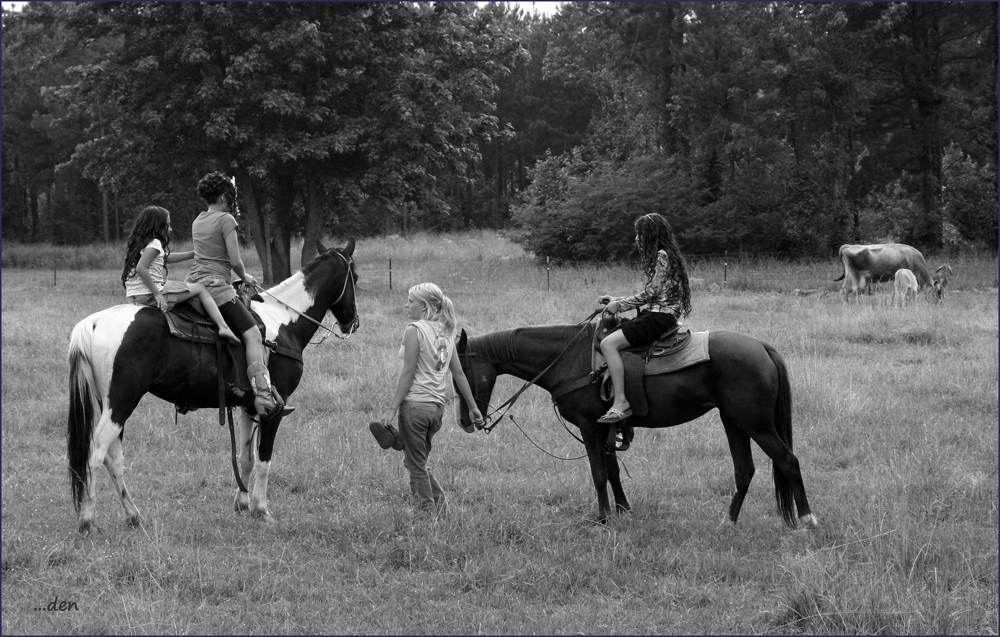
(770, 272)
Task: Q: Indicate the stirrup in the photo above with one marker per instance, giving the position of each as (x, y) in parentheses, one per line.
(278, 409)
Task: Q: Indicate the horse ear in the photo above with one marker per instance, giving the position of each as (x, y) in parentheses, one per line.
(349, 248)
(463, 341)
(320, 248)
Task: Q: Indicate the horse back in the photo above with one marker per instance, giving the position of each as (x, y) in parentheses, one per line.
(149, 359)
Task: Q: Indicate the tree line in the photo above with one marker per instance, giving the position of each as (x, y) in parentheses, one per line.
(785, 126)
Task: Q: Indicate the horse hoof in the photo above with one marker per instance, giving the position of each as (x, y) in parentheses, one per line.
(241, 505)
(134, 521)
(809, 522)
(263, 516)
(85, 529)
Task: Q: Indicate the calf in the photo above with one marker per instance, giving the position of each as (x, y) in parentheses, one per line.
(905, 287)
(941, 276)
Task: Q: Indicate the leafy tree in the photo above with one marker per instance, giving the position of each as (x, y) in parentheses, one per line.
(299, 100)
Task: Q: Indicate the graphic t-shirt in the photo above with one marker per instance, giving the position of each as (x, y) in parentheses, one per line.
(433, 356)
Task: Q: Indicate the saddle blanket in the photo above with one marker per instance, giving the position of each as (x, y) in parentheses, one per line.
(695, 351)
(687, 351)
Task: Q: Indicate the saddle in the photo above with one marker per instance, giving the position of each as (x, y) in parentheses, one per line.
(189, 324)
(673, 350)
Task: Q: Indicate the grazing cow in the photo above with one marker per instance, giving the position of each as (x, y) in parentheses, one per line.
(941, 276)
(905, 289)
(879, 262)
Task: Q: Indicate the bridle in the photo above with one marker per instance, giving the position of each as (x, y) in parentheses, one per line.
(348, 278)
(467, 357)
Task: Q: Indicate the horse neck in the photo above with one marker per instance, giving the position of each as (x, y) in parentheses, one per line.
(538, 347)
(288, 300)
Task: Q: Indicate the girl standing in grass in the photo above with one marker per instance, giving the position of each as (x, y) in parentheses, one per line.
(665, 298)
(428, 354)
(145, 273)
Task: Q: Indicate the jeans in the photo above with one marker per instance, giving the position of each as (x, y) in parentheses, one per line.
(418, 422)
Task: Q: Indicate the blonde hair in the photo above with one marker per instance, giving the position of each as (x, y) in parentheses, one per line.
(437, 306)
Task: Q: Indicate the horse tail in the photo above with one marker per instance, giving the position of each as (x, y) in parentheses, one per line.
(783, 425)
(85, 406)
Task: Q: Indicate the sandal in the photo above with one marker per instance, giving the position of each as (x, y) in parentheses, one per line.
(615, 415)
(385, 435)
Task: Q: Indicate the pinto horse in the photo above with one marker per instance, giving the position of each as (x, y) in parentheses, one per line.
(118, 355)
(745, 379)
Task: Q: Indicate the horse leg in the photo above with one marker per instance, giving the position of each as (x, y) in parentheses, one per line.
(599, 472)
(105, 433)
(614, 479)
(244, 460)
(114, 463)
(743, 467)
(265, 446)
(787, 476)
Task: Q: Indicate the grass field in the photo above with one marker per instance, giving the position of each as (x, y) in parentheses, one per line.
(895, 420)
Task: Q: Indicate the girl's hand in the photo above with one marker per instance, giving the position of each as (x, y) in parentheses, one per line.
(388, 417)
(612, 307)
(604, 300)
(477, 417)
(161, 302)
(248, 278)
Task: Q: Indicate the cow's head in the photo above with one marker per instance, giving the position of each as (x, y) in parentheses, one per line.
(941, 276)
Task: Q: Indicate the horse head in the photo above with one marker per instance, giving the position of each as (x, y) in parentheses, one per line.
(341, 277)
(481, 372)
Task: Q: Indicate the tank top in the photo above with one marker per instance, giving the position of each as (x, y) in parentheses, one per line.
(434, 353)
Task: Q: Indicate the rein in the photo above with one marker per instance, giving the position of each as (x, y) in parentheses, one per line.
(347, 278)
(513, 399)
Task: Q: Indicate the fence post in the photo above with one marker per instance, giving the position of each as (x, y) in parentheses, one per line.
(548, 278)
(53, 273)
(725, 269)
(390, 274)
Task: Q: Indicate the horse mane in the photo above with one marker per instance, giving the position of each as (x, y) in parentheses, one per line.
(296, 279)
(497, 347)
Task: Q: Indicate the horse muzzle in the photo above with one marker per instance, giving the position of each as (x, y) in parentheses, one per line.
(350, 328)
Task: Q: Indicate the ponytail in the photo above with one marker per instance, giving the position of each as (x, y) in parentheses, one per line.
(438, 307)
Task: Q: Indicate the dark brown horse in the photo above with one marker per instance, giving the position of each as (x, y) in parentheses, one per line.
(745, 379)
(118, 355)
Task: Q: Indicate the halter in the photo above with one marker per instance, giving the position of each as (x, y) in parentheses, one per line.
(353, 327)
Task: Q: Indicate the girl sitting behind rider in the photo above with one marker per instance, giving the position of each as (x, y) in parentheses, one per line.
(216, 257)
(145, 273)
(666, 297)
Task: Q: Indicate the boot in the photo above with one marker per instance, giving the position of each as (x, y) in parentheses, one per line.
(267, 401)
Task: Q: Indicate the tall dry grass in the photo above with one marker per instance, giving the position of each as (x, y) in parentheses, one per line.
(895, 419)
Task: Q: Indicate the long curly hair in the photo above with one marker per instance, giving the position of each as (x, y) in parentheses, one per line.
(151, 223)
(214, 184)
(655, 234)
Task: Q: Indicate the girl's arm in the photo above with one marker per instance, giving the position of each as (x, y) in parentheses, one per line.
(174, 257)
(652, 289)
(463, 386)
(142, 270)
(235, 260)
(410, 349)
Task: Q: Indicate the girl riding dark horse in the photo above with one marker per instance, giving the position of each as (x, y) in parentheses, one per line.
(744, 378)
(118, 355)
